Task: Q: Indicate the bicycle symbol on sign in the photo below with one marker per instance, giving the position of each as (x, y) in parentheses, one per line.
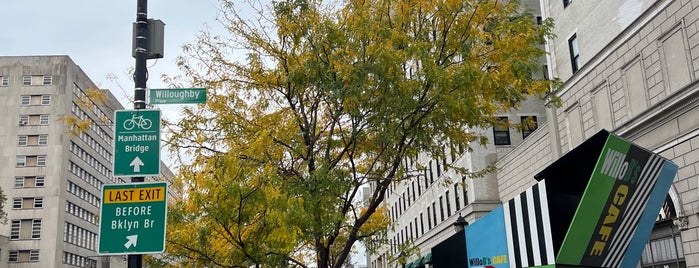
(138, 121)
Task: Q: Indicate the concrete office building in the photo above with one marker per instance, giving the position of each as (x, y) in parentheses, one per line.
(425, 210)
(51, 177)
(628, 66)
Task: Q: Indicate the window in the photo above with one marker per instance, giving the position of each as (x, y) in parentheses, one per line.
(529, 124)
(27, 100)
(30, 161)
(465, 197)
(501, 132)
(419, 190)
(80, 261)
(25, 229)
(434, 213)
(411, 230)
(446, 195)
(422, 224)
(83, 194)
(40, 160)
(81, 213)
(22, 140)
(32, 140)
(566, 3)
(33, 120)
(664, 250)
(27, 202)
(427, 182)
(405, 203)
(416, 228)
(413, 191)
(79, 236)
(456, 196)
(21, 161)
(43, 139)
(44, 119)
(574, 52)
(441, 209)
(37, 80)
(429, 219)
(4, 81)
(404, 235)
(29, 182)
(24, 255)
(408, 195)
(463, 185)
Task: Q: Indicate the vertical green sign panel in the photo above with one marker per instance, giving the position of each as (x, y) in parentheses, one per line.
(618, 192)
(133, 218)
(592, 203)
(136, 143)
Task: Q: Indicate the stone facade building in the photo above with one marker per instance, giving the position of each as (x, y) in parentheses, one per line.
(628, 66)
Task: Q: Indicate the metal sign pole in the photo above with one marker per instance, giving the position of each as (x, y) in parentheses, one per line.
(140, 77)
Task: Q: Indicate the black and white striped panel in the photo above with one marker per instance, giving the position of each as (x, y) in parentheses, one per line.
(638, 202)
(529, 241)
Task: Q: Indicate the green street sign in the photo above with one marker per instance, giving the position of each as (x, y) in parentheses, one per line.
(177, 95)
(133, 218)
(136, 143)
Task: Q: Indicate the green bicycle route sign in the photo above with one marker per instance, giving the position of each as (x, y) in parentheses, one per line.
(133, 218)
(136, 143)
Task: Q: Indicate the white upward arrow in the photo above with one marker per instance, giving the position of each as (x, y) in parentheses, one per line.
(136, 164)
(132, 241)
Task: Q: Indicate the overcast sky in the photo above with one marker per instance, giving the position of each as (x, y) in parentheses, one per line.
(96, 34)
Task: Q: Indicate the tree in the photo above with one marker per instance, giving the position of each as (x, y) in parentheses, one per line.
(330, 99)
